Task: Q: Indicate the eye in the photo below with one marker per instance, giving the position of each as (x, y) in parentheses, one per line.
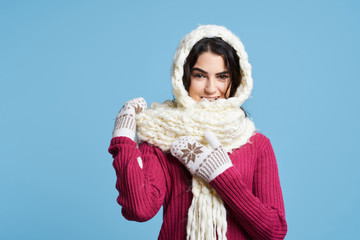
(223, 77)
(198, 75)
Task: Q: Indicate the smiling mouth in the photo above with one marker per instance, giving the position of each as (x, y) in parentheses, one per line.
(210, 99)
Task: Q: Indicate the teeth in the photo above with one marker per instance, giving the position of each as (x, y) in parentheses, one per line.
(211, 99)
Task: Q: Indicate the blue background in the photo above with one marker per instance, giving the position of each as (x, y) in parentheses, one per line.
(67, 67)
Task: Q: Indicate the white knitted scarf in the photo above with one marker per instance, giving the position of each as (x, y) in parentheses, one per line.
(162, 123)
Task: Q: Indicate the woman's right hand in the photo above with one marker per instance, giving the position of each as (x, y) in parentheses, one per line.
(125, 124)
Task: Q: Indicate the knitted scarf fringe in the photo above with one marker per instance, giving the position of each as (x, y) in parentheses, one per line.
(207, 214)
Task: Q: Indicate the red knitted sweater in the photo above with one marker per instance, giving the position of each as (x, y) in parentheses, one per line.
(250, 189)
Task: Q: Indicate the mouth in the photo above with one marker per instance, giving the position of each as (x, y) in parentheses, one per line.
(210, 99)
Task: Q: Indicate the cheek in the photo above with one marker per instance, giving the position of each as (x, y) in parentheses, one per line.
(222, 88)
(195, 86)
(195, 90)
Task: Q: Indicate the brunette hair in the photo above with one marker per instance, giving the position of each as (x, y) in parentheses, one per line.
(220, 47)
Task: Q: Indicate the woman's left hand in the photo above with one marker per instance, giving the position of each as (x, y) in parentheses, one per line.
(201, 161)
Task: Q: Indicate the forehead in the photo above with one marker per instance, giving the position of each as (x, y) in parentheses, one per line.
(210, 62)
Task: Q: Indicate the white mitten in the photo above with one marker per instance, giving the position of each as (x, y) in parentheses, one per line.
(125, 124)
(201, 161)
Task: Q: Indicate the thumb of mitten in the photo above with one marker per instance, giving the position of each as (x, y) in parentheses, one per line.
(213, 141)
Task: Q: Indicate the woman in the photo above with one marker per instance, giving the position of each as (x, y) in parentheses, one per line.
(199, 156)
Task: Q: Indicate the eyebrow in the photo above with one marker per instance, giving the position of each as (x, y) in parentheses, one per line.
(200, 70)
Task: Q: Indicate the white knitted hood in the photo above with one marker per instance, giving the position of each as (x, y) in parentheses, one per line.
(162, 123)
(208, 31)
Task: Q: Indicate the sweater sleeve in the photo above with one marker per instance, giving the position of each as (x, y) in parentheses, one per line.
(260, 211)
(141, 189)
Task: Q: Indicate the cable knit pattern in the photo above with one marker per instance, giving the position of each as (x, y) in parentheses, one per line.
(250, 189)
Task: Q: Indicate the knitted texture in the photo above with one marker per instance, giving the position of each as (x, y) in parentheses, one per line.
(201, 161)
(125, 124)
(184, 48)
(206, 214)
(163, 123)
(242, 202)
(250, 190)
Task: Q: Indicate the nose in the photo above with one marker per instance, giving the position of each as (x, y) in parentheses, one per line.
(210, 86)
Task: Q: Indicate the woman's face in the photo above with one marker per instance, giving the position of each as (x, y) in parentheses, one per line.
(209, 78)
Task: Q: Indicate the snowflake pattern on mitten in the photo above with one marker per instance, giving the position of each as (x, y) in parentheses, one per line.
(190, 153)
(200, 160)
